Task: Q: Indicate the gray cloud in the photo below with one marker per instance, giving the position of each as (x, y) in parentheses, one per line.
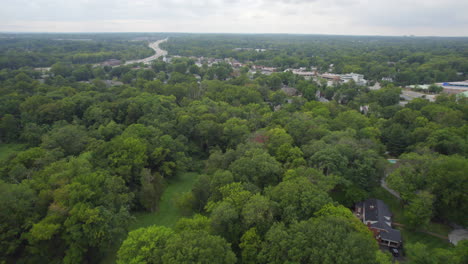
(417, 15)
(396, 17)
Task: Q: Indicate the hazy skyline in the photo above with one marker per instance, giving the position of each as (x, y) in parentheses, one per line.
(349, 17)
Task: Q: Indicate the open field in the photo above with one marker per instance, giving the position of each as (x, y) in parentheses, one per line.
(168, 213)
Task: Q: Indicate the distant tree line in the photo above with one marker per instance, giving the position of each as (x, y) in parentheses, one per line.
(44, 52)
(407, 60)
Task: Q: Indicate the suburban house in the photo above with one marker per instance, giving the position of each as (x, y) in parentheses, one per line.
(302, 72)
(377, 216)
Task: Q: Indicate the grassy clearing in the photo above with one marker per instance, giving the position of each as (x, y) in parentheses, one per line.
(168, 213)
(8, 149)
(432, 242)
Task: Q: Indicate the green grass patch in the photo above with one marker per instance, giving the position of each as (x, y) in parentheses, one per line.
(168, 213)
(432, 242)
(7, 149)
(439, 229)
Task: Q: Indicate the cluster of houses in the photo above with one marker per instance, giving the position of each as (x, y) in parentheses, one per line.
(108, 83)
(312, 73)
(344, 78)
(308, 73)
(200, 61)
(249, 49)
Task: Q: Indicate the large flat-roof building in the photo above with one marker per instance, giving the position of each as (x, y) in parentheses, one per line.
(454, 87)
(344, 78)
(357, 78)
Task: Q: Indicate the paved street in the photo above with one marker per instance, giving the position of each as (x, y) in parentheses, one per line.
(410, 95)
(159, 52)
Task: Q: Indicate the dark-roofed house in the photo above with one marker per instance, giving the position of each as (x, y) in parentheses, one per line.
(377, 216)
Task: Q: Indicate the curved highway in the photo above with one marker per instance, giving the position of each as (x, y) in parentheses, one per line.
(159, 52)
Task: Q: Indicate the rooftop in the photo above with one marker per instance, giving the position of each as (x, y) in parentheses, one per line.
(376, 210)
(376, 214)
(391, 234)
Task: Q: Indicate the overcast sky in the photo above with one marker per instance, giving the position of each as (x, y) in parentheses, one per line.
(350, 17)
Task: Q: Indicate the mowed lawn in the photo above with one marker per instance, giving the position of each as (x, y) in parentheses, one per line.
(168, 213)
(8, 149)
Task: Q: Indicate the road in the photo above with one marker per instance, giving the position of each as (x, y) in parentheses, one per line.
(159, 52)
(410, 95)
(457, 235)
(383, 182)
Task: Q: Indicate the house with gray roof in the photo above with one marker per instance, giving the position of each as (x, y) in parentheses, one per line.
(377, 216)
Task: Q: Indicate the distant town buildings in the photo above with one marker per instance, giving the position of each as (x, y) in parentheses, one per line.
(304, 72)
(321, 97)
(454, 87)
(357, 78)
(420, 86)
(43, 70)
(462, 95)
(345, 78)
(289, 91)
(375, 87)
(448, 87)
(409, 95)
(211, 61)
(255, 49)
(264, 70)
(110, 83)
(331, 77)
(364, 109)
(111, 62)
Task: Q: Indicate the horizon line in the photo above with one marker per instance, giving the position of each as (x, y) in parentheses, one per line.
(224, 33)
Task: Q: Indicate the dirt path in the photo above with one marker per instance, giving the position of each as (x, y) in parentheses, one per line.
(384, 185)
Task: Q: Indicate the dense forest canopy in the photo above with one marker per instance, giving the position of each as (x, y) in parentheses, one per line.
(277, 174)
